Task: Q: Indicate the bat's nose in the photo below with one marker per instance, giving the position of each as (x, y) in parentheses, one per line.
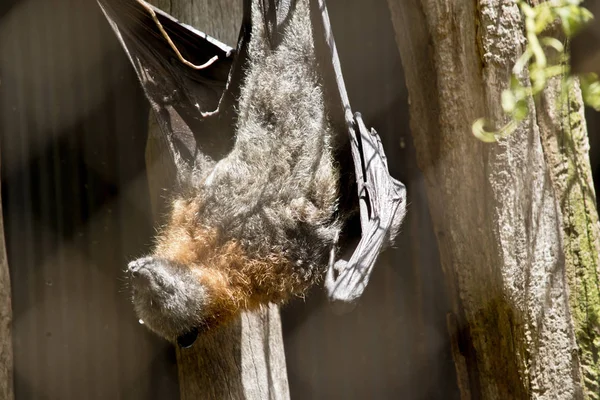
(136, 266)
(133, 268)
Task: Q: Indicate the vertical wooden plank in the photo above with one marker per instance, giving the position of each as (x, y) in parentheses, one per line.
(76, 206)
(6, 346)
(496, 215)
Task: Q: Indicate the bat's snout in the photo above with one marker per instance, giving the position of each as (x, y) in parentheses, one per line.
(135, 268)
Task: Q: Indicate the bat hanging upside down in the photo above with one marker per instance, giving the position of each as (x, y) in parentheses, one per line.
(261, 224)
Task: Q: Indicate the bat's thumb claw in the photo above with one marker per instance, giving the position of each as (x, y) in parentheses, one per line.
(338, 303)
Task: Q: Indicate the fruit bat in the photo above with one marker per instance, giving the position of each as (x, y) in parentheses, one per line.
(272, 165)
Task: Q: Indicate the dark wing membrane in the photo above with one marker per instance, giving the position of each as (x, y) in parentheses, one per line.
(382, 205)
(185, 99)
(381, 198)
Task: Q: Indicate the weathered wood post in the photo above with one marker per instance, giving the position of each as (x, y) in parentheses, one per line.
(246, 359)
(515, 221)
(6, 352)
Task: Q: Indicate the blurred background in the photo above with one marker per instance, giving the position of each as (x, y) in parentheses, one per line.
(73, 124)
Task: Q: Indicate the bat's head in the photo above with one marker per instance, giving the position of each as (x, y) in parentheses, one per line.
(169, 298)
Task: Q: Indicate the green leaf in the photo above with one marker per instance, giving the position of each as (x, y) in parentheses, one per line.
(515, 84)
(508, 101)
(554, 43)
(521, 110)
(590, 89)
(522, 61)
(535, 64)
(543, 17)
(538, 79)
(527, 10)
(480, 133)
(573, 18)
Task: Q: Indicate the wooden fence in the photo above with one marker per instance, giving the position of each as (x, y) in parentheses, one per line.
(73, 127)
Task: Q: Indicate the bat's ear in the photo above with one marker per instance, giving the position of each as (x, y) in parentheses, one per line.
(186, 75)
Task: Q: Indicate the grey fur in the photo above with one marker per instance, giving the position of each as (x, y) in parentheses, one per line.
(276, 192)
(277, 189)
(168, 298)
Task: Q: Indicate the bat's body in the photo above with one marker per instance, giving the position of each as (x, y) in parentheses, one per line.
(258, 225)
(264, 143)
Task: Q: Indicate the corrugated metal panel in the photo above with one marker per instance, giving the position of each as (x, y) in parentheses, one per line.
(76, 206)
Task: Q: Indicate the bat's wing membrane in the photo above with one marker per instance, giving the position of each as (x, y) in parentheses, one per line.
(382, 199)
(186, 100)
(382, 203)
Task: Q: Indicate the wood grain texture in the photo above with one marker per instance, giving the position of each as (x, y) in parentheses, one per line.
(219, 19)
(496, 215)
(566, 148)
(6, 346)
(73, 122)
(243, 360)
(246, 359)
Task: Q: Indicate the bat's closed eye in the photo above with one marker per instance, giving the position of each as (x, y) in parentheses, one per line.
(187, 339)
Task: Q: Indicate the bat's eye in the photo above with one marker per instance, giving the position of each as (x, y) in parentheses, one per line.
(187, 339)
